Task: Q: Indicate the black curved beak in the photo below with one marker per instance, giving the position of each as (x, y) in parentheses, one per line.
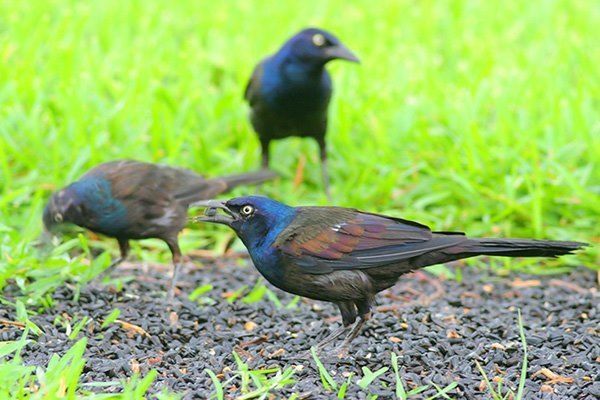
(45, 241)
(341, 52)
(45, 238)
(211, 213)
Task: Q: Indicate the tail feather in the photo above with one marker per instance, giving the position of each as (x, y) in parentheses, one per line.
(522, 247)
(250, 178)
(205, 189)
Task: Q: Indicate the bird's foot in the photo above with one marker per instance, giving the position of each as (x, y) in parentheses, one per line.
(329, 357)
(302, 356)
(341, 352)
(104, 283)
(310, 354)
(172, 303)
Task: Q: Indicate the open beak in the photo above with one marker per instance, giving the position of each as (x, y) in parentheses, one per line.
(211, 213)
(341, 52)
(46, 237)
(45, 241)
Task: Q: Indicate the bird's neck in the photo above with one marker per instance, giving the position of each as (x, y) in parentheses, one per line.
(104, 212)
(298, 70)
(268, 263)
(265, 256)
(262, 239)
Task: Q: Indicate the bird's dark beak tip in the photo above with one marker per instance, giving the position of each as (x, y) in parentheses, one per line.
(211, 214)
(350, 58)
(341, 52)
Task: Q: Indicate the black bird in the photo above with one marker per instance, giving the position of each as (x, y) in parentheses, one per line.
(128, 199)
(346, 256)
(289, 91)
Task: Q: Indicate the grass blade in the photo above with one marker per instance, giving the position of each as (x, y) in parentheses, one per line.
(327, 380)
(216, 382)
(110, 318)
(523, 376)
(369, 376)
(400, 391)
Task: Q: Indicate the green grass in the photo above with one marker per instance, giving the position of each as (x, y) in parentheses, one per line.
(59, 379)
(479, 116)
(500, 393)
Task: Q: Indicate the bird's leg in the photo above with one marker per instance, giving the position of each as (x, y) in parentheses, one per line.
(176, 253)
(264, 144)
(324, 168)
(348, 311)
(176, 270)
(364, 314)
(331, 337)
(343, 349)
(124, 249)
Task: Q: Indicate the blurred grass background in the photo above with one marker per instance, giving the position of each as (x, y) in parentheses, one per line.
(480, 116)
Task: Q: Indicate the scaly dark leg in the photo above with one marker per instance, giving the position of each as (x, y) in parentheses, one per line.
(348, 311)
(324, 167)
(343, 349)
(176, 253)
(124, 249)
(364, 311)
(331, 337)
(264, 145)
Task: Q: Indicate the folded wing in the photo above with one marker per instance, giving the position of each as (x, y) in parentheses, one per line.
(322, 240)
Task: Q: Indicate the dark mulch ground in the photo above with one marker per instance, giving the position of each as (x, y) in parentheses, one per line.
(437, 328)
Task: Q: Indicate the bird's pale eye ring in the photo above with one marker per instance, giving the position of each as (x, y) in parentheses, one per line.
(58, 217)
(318, 40)
(247, 210)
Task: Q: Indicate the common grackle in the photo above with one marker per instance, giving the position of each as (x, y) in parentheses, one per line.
(289, 91)
(346, 256)
(128, 199)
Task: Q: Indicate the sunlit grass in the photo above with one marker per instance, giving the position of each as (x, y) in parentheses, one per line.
(477, 115)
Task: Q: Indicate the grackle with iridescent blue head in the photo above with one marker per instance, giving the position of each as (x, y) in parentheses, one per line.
(289, 91)
(346, 256)
(128, 200)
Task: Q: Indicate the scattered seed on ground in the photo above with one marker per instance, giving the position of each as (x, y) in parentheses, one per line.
(437, 338)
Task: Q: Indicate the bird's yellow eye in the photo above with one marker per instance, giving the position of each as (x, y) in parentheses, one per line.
(318, 40)
(58, 217)
(247, 210)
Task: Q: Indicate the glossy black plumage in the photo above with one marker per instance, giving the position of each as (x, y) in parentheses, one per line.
(136, 200)
(289, 91)
(346, 256)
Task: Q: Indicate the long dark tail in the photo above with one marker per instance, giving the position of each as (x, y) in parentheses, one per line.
(203, 189)
(250, 178)
(520, 247)
(467, 248)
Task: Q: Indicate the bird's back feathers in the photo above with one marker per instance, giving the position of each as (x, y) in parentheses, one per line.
(321, 240)
(324, 239)
(134, 199)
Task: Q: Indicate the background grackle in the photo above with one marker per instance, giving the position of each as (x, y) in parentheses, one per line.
(289, 92)
(346, 256)
(137, 200)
